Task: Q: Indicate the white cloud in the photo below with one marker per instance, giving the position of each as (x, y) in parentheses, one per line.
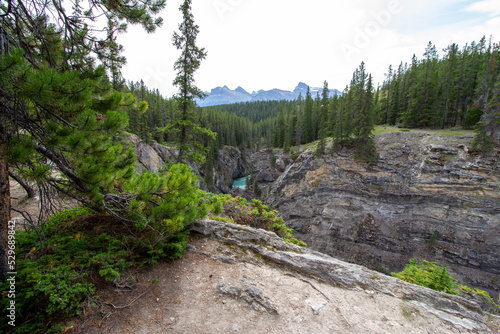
(491, 7)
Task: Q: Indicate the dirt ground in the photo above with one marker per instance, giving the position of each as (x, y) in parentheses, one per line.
(208, 291)
(20, 202)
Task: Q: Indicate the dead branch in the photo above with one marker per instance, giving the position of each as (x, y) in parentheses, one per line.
(124, 306)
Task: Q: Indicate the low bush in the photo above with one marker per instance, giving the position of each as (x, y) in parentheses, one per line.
(254, 214)
(435, 277)
(428, 274)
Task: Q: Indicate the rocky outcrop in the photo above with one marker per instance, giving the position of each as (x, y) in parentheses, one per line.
(264, 169)
(147, 157)
(266, 166)
(461, 314)
(230, 163)
(426, 197)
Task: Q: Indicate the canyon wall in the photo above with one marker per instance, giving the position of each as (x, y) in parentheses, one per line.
(426, 197)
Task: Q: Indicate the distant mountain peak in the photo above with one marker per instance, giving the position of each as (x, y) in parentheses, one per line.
(241, 90)
(224, 95)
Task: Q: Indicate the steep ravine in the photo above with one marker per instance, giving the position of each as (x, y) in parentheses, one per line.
(426, 197)
(237, 279)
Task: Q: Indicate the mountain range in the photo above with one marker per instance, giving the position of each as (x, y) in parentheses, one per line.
(224, 95)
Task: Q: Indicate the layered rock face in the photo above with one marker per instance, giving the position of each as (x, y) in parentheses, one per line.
(266, 166)
(426, 197)
(230, 165)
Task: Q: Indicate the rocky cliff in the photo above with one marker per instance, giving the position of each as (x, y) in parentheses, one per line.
(265, 167)
(230, 164)
(426, 197)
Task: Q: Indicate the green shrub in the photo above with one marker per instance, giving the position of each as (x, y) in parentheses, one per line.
(50, 281)
(59, 263)
(472, 117)
(294, 155)
(435, 277)
(481, 295)
(428, 274)
(255, 214)
(482, 142)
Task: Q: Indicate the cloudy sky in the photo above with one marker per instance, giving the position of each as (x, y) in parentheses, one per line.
(266, 44)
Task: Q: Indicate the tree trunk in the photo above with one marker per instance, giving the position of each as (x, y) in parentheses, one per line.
(4, 199)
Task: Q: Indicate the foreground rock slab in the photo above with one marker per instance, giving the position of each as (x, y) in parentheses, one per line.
(456, 312)
(235, 279)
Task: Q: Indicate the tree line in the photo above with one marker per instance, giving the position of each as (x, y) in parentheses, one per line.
(440, 92)
(432, 92)
(459, 89)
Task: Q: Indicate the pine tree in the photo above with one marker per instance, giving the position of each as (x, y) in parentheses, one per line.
(299, 128)
(289, 126)
(389, 78)
(488, 129)
(396, 100)
(186, 65)
(339, 132)
(321, 146)
(323, 119)
(57, 106)
(363, 138)
(316, 115)
(308, 133)
(280, 128)
(449, 91)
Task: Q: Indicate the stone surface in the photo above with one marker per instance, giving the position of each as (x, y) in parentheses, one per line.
(250, 293)
(462, 314)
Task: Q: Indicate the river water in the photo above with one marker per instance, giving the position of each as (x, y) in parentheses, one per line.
(240, 183)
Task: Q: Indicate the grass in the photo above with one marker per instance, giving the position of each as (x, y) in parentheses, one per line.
(380, 129)
(408, 312)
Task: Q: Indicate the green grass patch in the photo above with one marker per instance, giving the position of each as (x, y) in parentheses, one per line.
(380, 129)
(452, 132)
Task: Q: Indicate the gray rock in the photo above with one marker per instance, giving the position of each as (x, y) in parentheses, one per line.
(384, 214)
(459, 312)
(443, 150)
(250, 294)
(146, 155)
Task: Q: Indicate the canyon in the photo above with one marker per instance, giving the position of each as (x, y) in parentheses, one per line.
(426, 197)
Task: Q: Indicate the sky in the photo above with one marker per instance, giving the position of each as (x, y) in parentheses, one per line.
(267, 44)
